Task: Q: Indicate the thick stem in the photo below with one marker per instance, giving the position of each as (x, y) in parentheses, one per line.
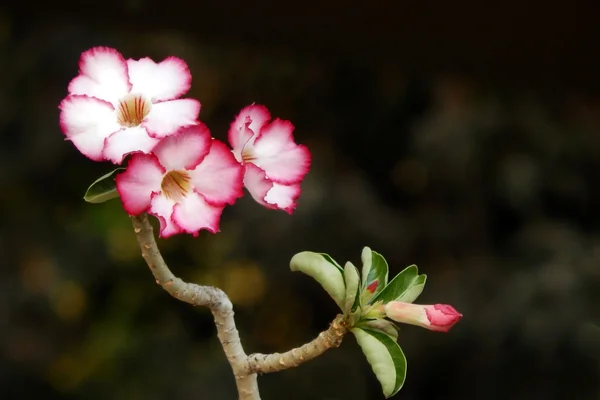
(332, 337)
(198, 295)
(245, 368)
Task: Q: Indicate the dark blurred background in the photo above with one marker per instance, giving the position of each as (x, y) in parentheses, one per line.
(460, 136)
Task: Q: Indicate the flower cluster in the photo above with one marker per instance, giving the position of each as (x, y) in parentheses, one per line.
(131, 111)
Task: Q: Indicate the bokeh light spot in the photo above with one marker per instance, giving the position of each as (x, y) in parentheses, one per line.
(69, 301)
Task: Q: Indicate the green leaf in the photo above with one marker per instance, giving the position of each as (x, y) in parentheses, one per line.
(321, 268)
(385, 357)
(383, 325)
(332, 261)
(406, 287)
(352, 280)
(103, 189)
(374, 274)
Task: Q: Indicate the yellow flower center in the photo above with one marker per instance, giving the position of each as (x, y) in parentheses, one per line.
(132, 110)
(248, 155)
(176, 185)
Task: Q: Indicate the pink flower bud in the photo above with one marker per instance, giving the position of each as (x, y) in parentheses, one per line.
(437, 317)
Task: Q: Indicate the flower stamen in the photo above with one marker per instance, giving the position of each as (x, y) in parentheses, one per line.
(132, 110)
(176, 185)
(248, 155)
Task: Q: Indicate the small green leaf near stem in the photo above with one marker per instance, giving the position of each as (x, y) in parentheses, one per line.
(103, 188)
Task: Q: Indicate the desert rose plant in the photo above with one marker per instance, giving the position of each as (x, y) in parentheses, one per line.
(130, 112)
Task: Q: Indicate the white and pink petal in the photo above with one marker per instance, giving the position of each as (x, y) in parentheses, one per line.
(194, 213)
(139, 182)
(247, 124)
(268, 193)
(162, 208)
(87, 122)
(275, 152)
(258, 185)
(219, 177)
(167, 80)
(102, 74)
(126, 141)
(168, 117)
(284, 197)
(184, 150)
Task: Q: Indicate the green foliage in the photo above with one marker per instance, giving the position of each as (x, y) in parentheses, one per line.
(374, 274)
(103, 188)
(362, 301)
(385, 357)
(406, 287)
(382, 325)
(352, 281)
(324, 270)
(331, 260)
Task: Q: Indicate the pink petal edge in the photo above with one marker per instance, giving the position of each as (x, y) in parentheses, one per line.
(257, 184)
(139, 182)
(185, 149)
(166, 80)
(103, 74)
(254, 117)
(168, 117)
(87, 122)
(194, 213)
(278, 155)
(162, 208)
(268, 193)
(219, 177)
(284, 197)
(127, 141)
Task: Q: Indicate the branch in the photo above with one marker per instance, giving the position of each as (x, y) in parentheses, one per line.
(198, 295)
(332, 337)
(245, 368)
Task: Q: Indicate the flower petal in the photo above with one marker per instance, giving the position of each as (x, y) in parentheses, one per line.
(87, 122)
(252, 117)
(140, 180)
(284, 197)
(194, 213)
(268, 193)
(184, 150)
(102, 74)
(219, 176)
(162, 208)
(258, 185)
(278, 155)
(126, 141)
(437, 317)
(167, 80)
(168, 117)
(442, 316)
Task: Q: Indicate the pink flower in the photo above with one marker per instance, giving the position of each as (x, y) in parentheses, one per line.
(274, 164)
(116, 107)
(186, 182)
(438, 317)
